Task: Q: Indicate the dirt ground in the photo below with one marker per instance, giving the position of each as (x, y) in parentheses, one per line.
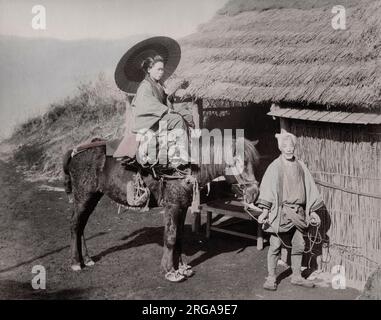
(127, 249)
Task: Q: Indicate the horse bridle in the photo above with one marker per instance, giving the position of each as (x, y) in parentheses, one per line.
(244, 185)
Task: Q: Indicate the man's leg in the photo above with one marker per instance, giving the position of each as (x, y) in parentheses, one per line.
(272, 260)
(284, 257)
(297, 251)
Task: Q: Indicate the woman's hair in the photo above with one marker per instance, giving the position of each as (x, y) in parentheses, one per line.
(150, 62)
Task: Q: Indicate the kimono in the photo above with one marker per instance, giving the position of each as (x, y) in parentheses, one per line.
(272, 191)
(150, 105)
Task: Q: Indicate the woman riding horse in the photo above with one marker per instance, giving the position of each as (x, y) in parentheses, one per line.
(91, 174)
(152, 106)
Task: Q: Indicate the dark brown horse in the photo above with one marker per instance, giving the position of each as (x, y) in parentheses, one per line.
(90, 174)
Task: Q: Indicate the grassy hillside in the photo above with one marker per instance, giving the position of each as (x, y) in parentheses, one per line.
(96, 110)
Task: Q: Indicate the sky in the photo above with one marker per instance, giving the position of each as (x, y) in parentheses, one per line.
(106, 19)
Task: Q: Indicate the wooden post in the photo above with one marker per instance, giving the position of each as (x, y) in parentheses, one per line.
(285, 124)
(200, 114)
(259, 237)
(197, 118)
(196, 221)
(208, 223)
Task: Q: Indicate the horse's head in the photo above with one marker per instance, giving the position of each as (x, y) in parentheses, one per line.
(242, 172)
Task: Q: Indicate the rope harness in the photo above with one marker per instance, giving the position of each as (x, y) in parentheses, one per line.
(313, 239)
(314, 236)
(137, 193)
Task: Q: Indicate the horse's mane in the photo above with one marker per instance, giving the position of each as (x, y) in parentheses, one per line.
(210, 171)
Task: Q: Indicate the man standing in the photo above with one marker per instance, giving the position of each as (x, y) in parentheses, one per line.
(289, 199)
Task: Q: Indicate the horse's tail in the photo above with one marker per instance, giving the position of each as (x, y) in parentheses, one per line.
(67, 178)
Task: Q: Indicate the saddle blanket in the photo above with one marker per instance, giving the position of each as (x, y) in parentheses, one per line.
(125, 147)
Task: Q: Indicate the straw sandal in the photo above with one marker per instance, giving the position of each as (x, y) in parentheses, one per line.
(300, 281)
(282, 263)
(174, 276)
(270, 284)
(186, 270)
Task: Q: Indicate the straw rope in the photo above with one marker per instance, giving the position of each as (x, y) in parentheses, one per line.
(331, 185)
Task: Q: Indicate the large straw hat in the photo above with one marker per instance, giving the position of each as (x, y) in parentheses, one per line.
(129, 74)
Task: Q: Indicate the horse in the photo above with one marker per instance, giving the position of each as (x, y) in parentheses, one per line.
(91, 174)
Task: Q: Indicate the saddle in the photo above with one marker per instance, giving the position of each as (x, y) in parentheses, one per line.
(126, 147)
(125, 151)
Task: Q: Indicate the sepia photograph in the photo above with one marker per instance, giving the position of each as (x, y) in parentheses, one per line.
(190, 155)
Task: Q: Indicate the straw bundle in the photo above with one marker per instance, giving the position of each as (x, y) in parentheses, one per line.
(349, 158)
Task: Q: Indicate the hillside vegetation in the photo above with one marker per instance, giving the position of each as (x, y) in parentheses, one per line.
(96, 110)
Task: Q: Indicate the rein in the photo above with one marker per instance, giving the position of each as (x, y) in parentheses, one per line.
(314, 239)
(244, 185)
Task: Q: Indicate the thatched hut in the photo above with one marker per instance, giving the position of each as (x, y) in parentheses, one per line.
(325, 87)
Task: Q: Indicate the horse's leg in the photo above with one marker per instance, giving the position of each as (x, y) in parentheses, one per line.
(184, 268)
(171, 217)
(177, 199)
(82, 210)
(75, 242)
(179, 238)
(86, 256)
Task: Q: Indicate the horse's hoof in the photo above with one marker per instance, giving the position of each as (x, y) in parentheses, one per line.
(76, 267)
(186, 270)
(187, 273)
(70, 198)
(89, 263)
(174, 276)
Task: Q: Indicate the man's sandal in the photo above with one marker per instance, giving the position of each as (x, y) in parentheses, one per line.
(270, 284)
(299, 281)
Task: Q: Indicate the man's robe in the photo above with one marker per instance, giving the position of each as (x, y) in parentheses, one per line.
(271, 193)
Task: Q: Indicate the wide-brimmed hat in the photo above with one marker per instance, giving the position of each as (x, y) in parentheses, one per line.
(129, 74)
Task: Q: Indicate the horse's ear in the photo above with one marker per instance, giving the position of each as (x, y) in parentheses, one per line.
(237, 167)
(239, 164)
(254, 142)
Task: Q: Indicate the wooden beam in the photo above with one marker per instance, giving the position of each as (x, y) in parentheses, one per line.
(285, 124)
(200, 113)
(234, 233)
(227, 210)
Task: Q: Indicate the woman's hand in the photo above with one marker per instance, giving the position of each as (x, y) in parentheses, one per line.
(170, 106)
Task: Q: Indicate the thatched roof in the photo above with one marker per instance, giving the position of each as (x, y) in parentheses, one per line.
(287, 51)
